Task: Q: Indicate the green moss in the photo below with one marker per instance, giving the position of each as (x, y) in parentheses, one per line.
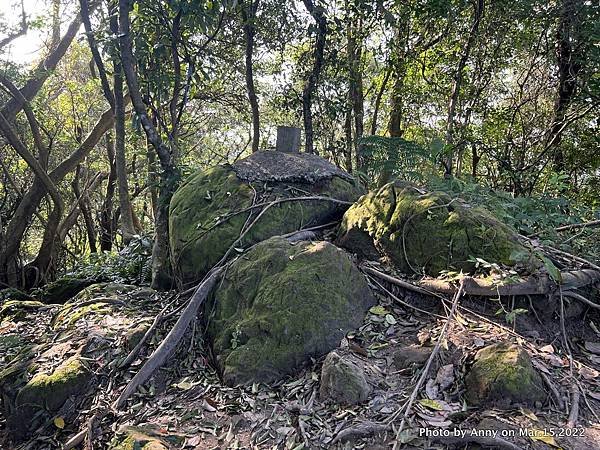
(146, 437)
(502, 374)
(64, 289)
(13, 294)
(45, 394)
(17, 309)
(281, 304)
(210, 196)
(51, 391)
(428, 232)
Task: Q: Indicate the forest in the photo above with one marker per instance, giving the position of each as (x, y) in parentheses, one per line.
(256, 224)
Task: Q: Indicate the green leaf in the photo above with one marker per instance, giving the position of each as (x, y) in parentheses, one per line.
(378, 310)
(552, 269)
(431, 404)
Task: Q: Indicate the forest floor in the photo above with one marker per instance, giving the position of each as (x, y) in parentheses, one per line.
(186, 406)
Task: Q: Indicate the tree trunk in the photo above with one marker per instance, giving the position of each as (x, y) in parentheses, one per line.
(83, 201)
(355, 94)
(311, 83)
(448, 161)
(161, 266)
(248, 16)
(106, 214)
(31, 200)
(568, 70)
(127, 229)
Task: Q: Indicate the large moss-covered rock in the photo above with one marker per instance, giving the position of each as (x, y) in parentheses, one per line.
(281, 304)
(502, 375)
(427, 232)
(64, 289)
(205, 218)
(46, 393)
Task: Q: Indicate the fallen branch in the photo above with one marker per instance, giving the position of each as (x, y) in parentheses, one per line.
(157, 321)
(574, 414)
(397, 281)
(533, 285)
(572, 226)
(159, 356)
(363, 429)
(559, 401)
(581, 298)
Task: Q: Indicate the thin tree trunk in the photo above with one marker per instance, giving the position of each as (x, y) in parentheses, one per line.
(568, 70)
(248, 16)
(83, 201)
(456, 86)
(127, 229)
(356, 84)
(378, 98)
(161, 266)
(309, 87)
(106, 214)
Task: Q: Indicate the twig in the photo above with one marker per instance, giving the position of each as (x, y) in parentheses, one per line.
(398, 282)
(362, 429)
(574, 414)
(425, 372)
(590, 224)
(157, 320)
(402, 302)
(559, 401)
(170, 342)
(581, 298)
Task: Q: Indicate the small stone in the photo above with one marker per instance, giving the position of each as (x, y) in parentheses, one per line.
(503, 375)
(343, 381)
(135, 335)
(145, 437)
(411, 355)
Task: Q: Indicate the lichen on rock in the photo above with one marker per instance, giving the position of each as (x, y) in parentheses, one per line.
(280, 305)
(428, 232)
(502, 374)
(205, 218)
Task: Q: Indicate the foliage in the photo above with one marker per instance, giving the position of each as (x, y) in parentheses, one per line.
(131, 265)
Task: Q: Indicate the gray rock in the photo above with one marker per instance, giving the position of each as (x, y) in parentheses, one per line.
(412, 354)
(343, 381)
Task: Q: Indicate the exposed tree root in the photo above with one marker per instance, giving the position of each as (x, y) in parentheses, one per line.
(166, 347)
(534, 285)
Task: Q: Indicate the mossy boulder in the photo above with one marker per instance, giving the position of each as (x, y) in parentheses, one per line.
(45, 393)
(205, 218)
(16, 310)
(282, 304)
(13, 294)
(502, 374)
(428, 232)
(343, 381)
(64, 289)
